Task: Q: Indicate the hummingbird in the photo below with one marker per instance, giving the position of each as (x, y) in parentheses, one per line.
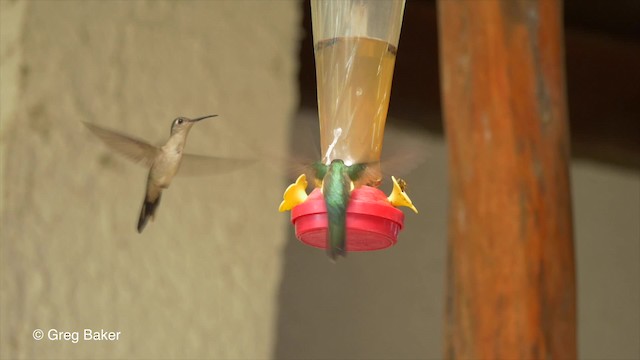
(163, 161)
(337, 183)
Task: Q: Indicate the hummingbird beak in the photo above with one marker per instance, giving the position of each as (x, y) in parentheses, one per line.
(202, 118)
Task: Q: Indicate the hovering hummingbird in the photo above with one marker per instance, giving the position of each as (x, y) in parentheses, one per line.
(337, 183)
(164, 161)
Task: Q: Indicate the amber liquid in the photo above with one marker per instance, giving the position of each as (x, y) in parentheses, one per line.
(354, 83)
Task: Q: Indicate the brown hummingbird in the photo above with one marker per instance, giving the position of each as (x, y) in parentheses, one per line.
(163, 161)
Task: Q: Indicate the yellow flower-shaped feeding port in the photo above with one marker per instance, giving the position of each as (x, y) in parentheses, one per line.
(398, 197)
(295, 194)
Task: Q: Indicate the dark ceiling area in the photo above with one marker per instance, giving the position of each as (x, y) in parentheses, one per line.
(602, 53)
(617, 18)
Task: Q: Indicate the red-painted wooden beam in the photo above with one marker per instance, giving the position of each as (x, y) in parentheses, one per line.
(511, 272)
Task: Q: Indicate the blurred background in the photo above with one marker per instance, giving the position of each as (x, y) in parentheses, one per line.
(219, 274)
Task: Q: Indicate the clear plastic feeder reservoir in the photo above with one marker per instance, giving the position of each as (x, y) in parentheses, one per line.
(355, 46)
(355, 43)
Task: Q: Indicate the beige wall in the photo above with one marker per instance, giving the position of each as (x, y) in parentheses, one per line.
(201, 281)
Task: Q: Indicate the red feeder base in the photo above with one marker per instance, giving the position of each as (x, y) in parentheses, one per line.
(372, 223)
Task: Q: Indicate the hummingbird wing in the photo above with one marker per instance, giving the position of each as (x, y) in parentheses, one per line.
(137, 150)
(198, 165)
(406, 151)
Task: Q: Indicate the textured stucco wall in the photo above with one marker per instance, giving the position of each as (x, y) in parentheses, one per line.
(202, 280)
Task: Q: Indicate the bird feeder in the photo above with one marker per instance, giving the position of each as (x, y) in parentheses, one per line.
(355, 44)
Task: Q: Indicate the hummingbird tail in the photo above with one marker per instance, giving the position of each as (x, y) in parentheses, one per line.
(336, 188)
(148, 211)
(336, 239)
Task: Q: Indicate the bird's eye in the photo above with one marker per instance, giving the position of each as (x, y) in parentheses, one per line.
(180, 121)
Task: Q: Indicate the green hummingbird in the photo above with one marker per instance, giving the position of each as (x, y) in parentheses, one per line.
(339, 176)
(337, 182)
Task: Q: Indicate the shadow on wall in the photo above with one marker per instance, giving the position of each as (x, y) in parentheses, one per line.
(382, 304)
(388, 304)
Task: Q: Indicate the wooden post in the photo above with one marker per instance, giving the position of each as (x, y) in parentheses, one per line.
(510, 276)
